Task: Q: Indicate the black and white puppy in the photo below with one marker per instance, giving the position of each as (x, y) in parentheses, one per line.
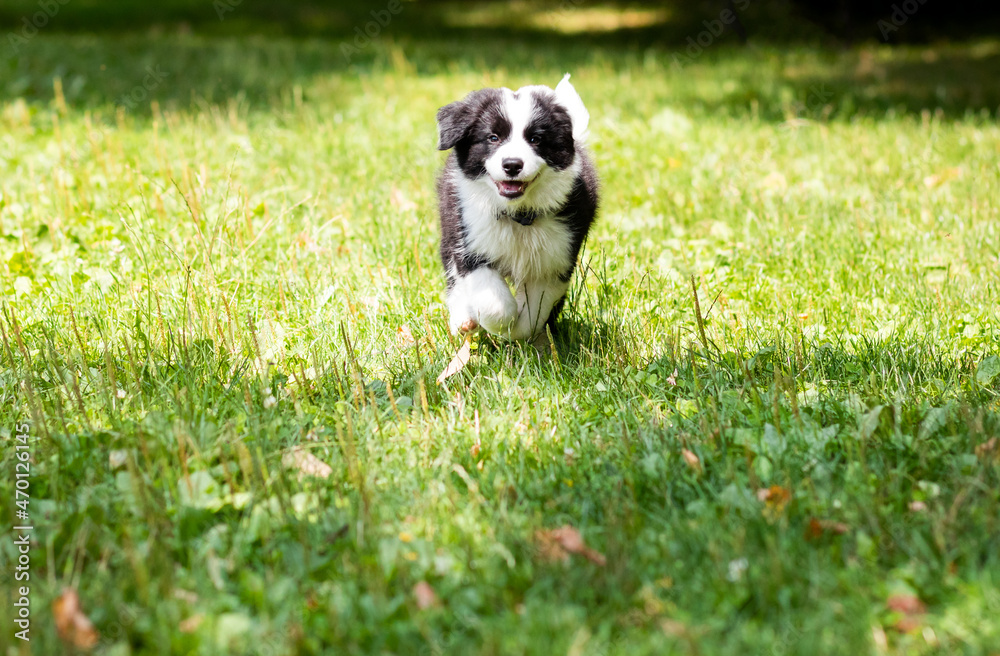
(517, 197)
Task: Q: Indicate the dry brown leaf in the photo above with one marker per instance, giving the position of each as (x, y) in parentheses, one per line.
(988, 449)
(185, 595)
(692, 460)
(307, 464)
(549, 548)
(73, 626)
(907, 624)
(775, 499)
(775, 496)
(558, 544)
(425, 595)
(911, 609)
(191, 624)
(674, 628)
(459, 361)
(938, 179)
(814, 531)
(819, 527)
(400, 201)
(907, 604)
(404, 337)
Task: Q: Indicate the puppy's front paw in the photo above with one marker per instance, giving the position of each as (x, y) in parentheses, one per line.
(481, 299)
(460, 322)
(496, 312)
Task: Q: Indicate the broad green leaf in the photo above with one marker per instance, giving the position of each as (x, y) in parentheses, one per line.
(988, 370)
(935, 419)
(869, 422)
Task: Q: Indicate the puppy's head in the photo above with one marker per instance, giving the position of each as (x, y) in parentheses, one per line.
(516, 142)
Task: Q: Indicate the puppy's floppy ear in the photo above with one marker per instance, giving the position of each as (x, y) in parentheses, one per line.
(567, 96)
(454, 121)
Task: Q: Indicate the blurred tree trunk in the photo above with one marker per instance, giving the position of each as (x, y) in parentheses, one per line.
(738, 24)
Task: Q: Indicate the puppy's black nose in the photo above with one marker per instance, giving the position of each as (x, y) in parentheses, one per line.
(512, 165)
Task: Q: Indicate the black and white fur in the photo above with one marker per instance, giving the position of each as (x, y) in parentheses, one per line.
(517, 196)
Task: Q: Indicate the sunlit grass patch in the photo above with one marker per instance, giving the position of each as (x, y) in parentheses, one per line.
(566, 18)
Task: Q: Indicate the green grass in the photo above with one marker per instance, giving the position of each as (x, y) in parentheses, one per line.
(195, 287)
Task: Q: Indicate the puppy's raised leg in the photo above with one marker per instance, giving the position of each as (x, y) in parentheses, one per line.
(535, 301)
(481, 298)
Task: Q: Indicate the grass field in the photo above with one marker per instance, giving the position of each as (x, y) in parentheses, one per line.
(219, 267)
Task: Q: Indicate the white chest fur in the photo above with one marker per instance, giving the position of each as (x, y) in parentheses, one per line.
(537, 252)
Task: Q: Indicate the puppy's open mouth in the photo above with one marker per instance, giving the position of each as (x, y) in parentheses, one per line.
(511, 188)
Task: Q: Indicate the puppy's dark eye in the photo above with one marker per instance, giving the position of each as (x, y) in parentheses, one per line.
(493, 138)
(535, 140)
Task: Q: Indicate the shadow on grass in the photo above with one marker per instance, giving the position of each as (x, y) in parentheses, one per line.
(862, 372)
(123, 55)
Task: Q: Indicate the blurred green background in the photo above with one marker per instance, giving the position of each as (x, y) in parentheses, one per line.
(259, 51)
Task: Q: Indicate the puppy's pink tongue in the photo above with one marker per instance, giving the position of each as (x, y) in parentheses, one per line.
(511, 187)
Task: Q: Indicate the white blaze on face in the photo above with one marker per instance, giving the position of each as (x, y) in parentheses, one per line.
(519, 111)
(543, 189)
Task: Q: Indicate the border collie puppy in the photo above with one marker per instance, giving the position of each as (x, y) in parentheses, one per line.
(517, 196)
